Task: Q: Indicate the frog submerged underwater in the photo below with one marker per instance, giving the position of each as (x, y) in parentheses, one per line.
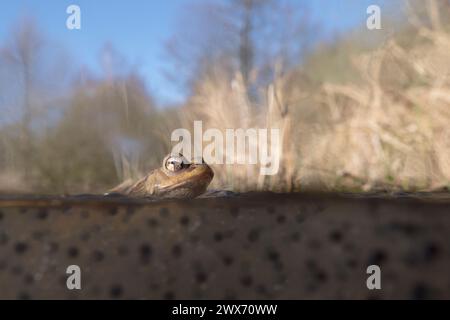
(176, 179)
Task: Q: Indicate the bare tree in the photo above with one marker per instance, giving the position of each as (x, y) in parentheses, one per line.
(21, 55)
(249, 9)
(245, 35)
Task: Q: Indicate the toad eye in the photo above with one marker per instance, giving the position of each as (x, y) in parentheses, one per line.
(174, 164)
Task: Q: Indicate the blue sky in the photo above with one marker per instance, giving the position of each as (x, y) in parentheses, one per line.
(139, 28)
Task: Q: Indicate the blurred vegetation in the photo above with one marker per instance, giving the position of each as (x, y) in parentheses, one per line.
(355, 114)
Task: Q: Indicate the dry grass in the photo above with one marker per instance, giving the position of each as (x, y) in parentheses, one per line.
(224, 104)
(390, 130)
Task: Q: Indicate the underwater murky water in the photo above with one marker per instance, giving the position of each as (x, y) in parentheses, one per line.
(249, 246)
